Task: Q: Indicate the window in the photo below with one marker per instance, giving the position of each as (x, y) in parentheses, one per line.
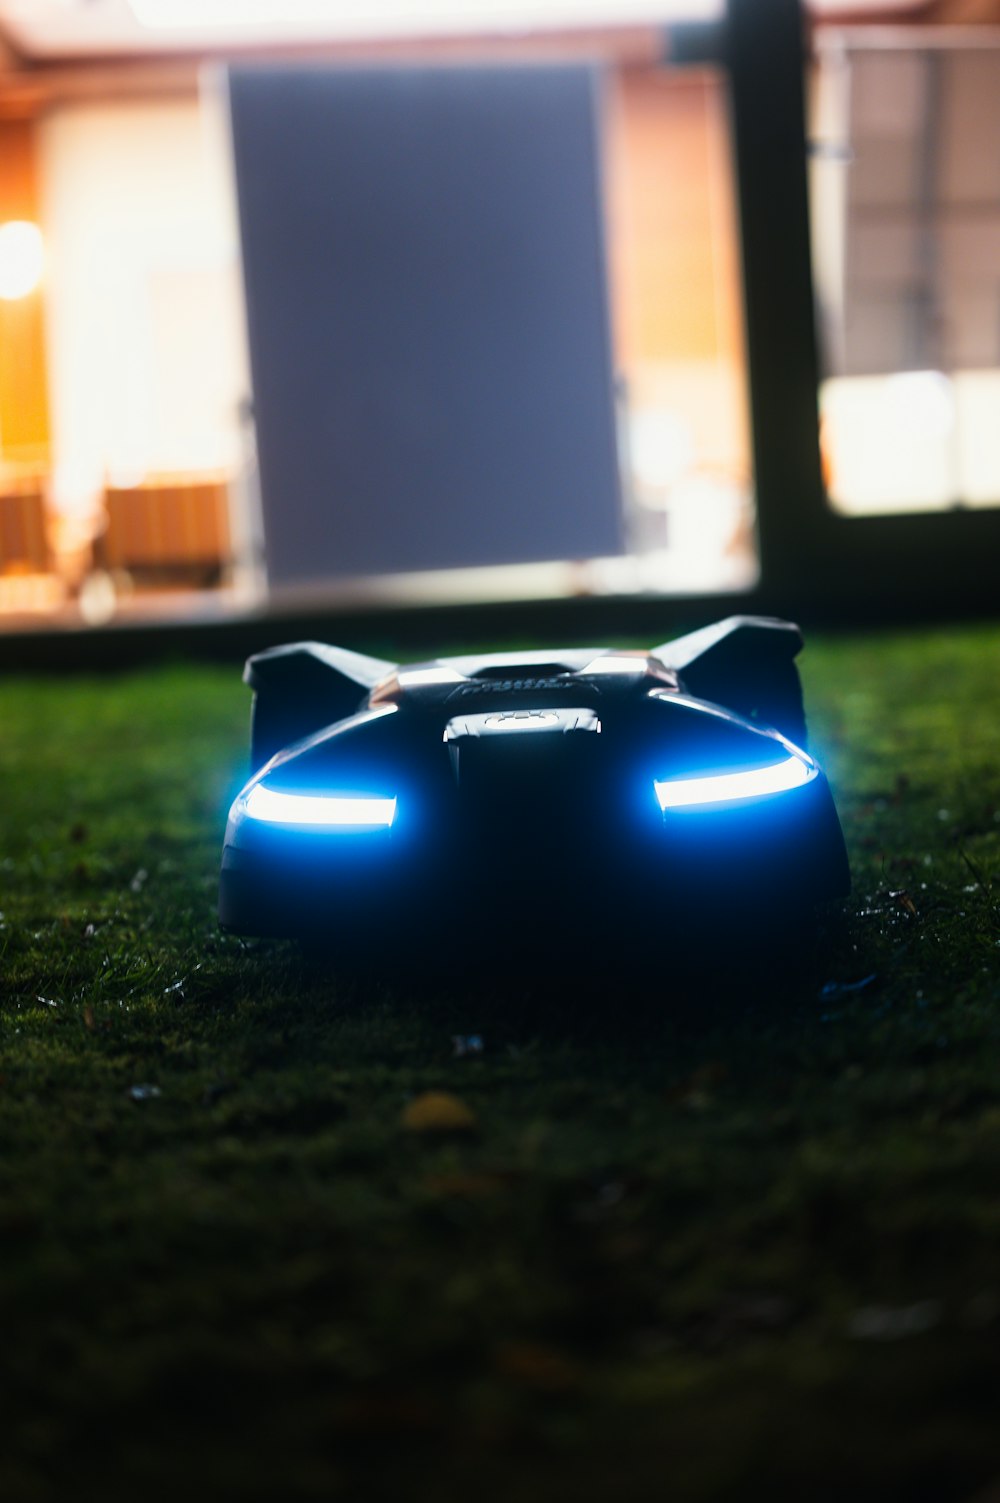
(906, 236)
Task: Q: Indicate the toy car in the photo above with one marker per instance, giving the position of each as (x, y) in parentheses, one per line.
(586, 796)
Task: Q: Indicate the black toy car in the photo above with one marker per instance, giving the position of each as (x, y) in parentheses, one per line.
(579, 795)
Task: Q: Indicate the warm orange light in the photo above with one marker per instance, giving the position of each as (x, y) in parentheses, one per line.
(21, 258)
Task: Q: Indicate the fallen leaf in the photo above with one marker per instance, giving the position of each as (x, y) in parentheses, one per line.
(537, 1366)
(438, 1112)
(465, 1186)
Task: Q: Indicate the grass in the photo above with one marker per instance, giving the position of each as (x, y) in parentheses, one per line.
(681, 1242)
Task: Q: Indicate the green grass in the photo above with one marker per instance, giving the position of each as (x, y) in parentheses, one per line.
(700, 1235)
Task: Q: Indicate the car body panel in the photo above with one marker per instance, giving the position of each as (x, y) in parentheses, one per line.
(504, 791)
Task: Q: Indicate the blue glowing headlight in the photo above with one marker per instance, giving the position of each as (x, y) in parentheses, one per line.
(327, 811)
(735, 787)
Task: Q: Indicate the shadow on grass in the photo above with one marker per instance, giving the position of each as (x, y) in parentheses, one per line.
(624, 995)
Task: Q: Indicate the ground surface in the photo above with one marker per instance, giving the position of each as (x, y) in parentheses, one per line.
(683, 1238)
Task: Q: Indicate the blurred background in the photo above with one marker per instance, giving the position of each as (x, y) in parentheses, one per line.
(210, 400)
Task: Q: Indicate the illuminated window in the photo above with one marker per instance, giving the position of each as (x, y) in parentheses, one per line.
(906, 235)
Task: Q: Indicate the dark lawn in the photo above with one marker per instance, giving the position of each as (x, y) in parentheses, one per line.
(697, 1236)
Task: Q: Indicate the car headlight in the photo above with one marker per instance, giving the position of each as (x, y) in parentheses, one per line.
(735, 787)
(329, 811)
